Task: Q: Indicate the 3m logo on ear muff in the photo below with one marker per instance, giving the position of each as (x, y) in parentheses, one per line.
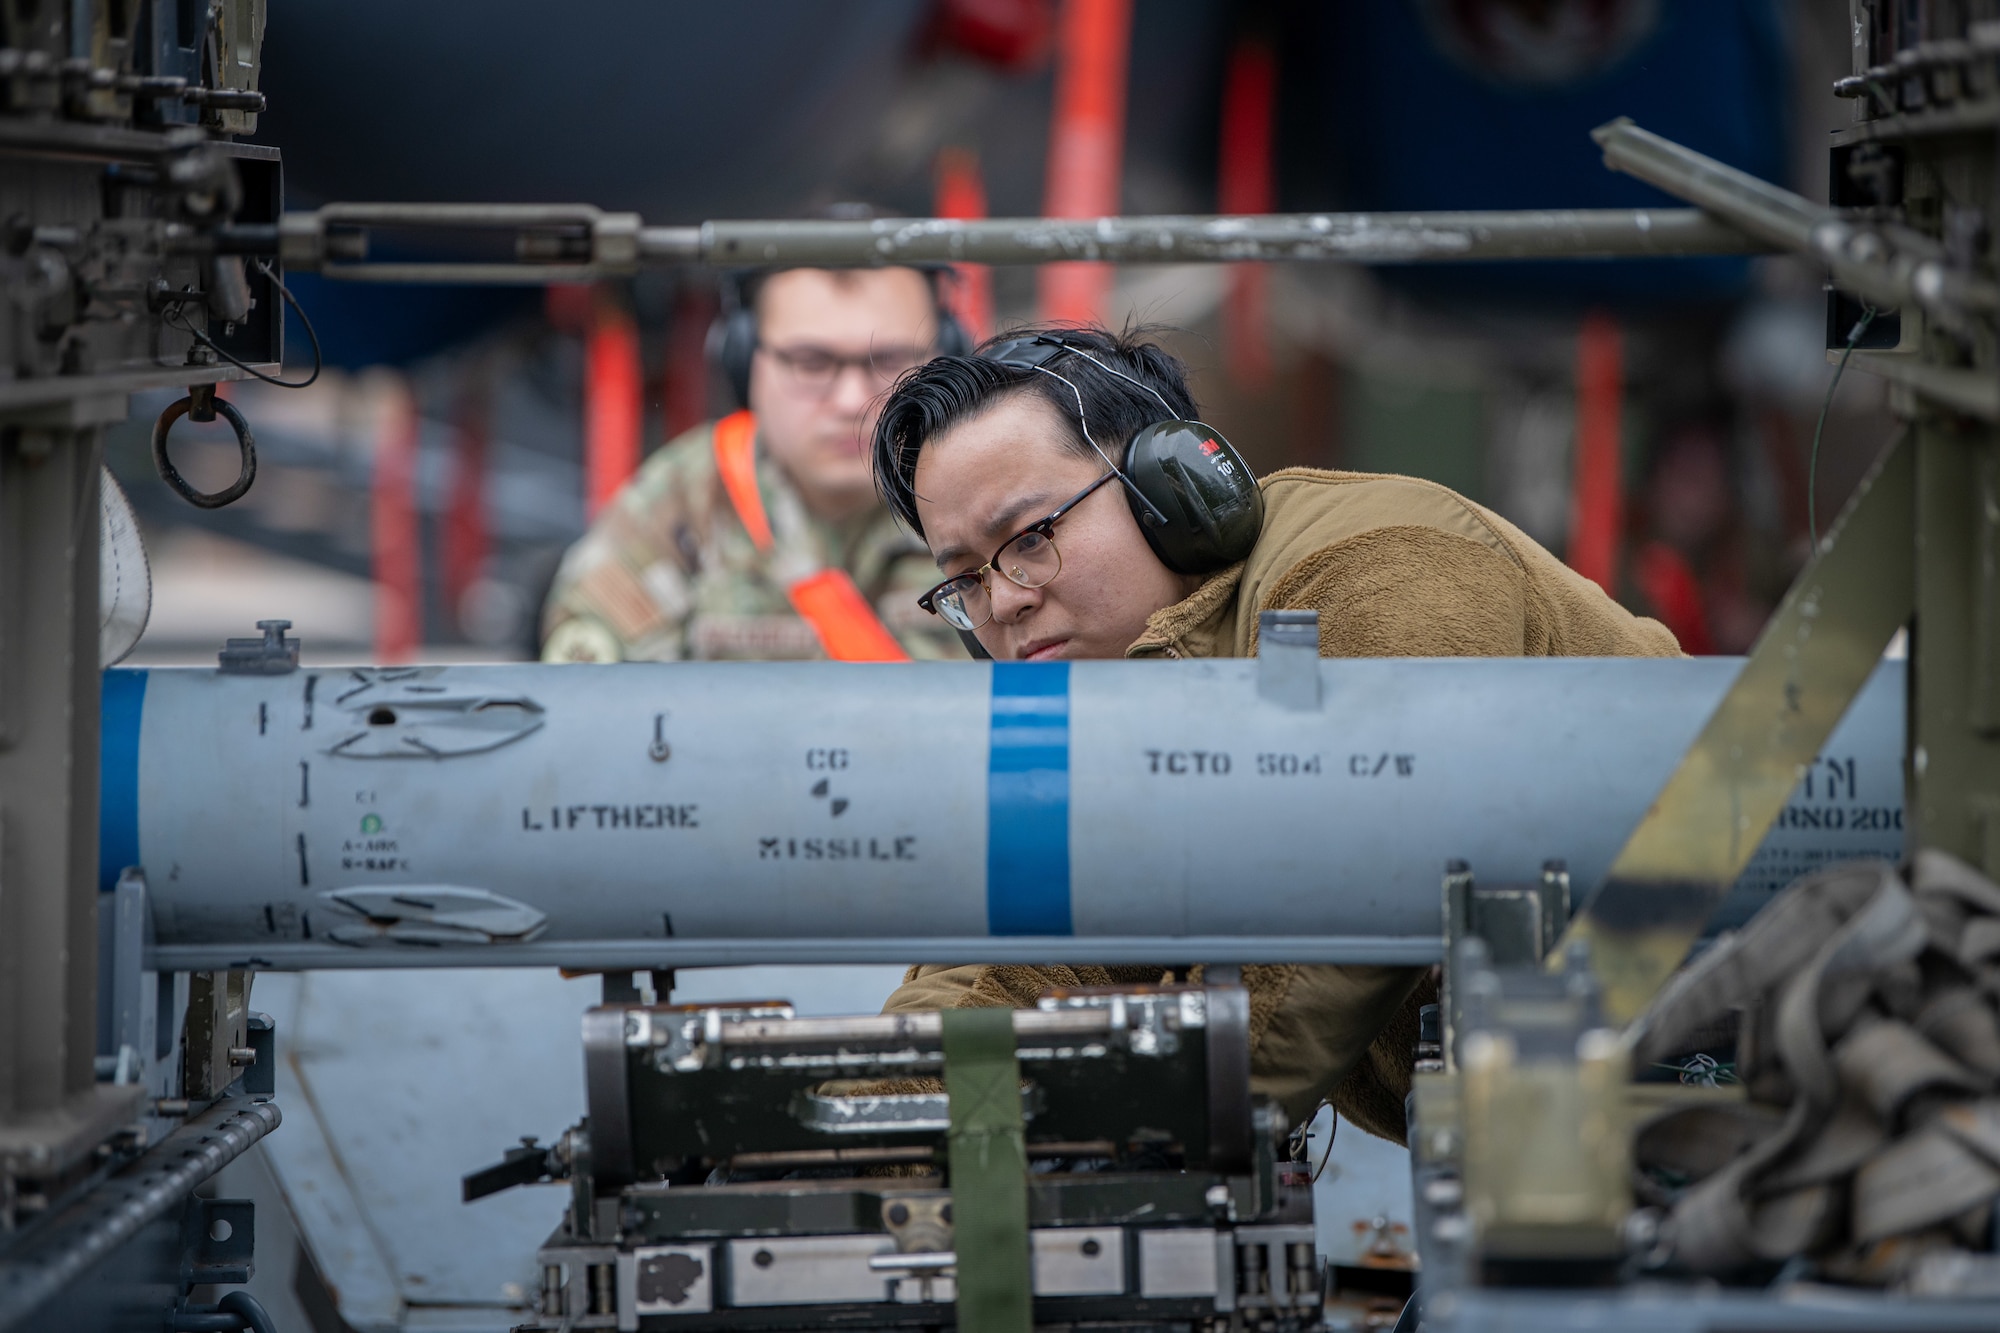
(1189, 470)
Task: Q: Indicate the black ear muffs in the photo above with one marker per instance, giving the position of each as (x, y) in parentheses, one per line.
(1195, 477)
(732, 343)
(952, 337)
(1191, 492)
(732, 340)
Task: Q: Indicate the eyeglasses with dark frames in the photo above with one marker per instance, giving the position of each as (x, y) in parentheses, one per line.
(815, 368)
(1028, 559)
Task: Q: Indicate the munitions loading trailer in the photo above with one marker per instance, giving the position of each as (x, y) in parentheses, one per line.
(144, 248)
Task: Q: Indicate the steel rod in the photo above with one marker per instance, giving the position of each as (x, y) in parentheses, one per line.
(585, 243)
(1361, 238)
(1882, 263)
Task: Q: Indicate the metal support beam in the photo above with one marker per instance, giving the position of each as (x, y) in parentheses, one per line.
(1954, 764)
(575, 242)
(1885, 263)
(1811, 660)
(1354, 238)
(52, 1111)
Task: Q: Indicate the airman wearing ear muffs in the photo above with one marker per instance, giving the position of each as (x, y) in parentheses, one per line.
(1076, 508)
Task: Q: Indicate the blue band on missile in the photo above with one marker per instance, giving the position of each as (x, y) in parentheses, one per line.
(124, 703)
(1027, 801)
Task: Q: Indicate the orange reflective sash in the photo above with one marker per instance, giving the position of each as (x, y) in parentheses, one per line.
(736, 460)
(847, 627)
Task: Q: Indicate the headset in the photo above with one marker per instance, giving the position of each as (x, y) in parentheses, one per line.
(732, 338)
(1195, 499)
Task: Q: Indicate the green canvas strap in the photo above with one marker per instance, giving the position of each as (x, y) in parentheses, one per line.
(989, 1172)
(1869, 1043)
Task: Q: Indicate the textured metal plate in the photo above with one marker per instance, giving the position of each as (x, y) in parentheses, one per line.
(807, 1270)
(1179, 1263)
(1078, 1261)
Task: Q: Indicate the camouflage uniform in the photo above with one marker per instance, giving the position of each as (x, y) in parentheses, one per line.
(668, 572)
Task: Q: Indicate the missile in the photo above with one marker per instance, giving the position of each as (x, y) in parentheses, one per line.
(685, 814)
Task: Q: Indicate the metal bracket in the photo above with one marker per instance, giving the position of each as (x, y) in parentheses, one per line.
(218, 1241)
(1509, 925)
(261, 1078)
(1520, 923)
(217, 1029)
(129, 918)
(1288, 659)
(272, 655)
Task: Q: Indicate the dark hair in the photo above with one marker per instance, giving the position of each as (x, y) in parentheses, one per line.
(948, 390)
(746, 285)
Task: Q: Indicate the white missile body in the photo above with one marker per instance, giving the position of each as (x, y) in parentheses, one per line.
(682, 814)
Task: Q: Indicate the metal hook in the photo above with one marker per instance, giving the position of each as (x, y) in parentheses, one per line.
(201, 404)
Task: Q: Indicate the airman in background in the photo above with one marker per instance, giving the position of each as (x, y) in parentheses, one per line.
(760, 536)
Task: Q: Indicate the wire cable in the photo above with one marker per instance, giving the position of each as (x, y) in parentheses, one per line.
(1301, 1139)
(1153, 511)
(1074, 350)
(187, 326)
(1812, 460)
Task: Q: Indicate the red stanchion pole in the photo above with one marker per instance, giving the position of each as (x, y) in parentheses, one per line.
(961, 193)
(684, 376)
(1086, 145)
(397, 549)
(465, 543)
(1247, 184)
(613, 404)
(1597, 501)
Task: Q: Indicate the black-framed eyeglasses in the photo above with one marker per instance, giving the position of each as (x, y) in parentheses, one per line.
(1028, 559)
(815, 368)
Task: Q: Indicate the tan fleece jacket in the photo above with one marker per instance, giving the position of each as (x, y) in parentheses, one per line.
(1396, 567)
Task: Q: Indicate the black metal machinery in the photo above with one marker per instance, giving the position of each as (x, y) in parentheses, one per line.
(135, 244)
(741, 1167)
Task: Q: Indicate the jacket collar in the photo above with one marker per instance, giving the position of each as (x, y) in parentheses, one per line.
(1200, 625)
